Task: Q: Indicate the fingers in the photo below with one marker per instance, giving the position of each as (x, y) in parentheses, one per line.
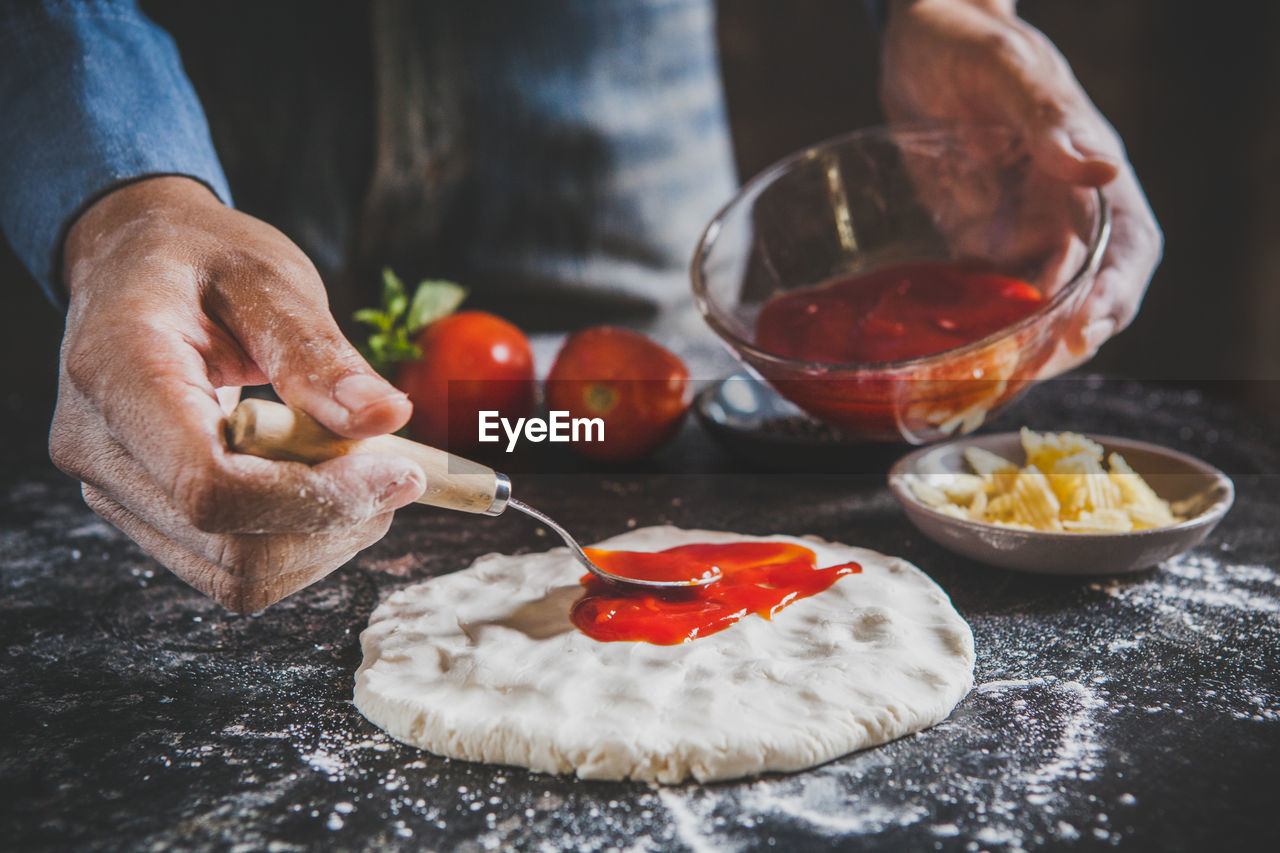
(245, 494)
(241, 571)
(962, 63)
(1076, 154)
(1069, 139)
(1035, 91)
(173, 296)
(164, 427)
(228, 396)
(279, 313)
(1131, 258)
(246, 573)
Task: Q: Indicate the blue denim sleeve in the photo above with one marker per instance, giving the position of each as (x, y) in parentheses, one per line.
(92, 96)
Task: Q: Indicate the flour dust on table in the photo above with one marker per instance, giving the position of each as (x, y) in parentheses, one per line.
(484, 664)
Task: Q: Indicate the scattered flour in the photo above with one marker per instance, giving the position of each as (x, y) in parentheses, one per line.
(1054, 729)
(1215, 602)
(1203, 582)
(1019, 766)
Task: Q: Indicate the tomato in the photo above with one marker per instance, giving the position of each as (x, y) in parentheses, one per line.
(471, 361)
(639, 389)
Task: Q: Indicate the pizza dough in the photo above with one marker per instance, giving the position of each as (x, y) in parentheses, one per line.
(484, 665)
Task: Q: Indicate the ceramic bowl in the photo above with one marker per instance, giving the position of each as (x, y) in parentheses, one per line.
(1174, 476)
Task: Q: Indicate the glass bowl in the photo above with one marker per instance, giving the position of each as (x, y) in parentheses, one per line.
(887, 196)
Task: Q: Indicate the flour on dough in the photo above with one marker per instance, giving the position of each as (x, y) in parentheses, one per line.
(484, 665)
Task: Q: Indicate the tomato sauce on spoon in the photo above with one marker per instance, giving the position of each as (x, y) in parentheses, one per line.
(756, 577)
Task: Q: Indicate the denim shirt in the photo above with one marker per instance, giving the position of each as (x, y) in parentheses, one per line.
(615, 107)
(603, 144)
(92, 96)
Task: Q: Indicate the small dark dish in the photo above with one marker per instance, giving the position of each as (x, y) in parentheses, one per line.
(769, 432)
(1174, 476)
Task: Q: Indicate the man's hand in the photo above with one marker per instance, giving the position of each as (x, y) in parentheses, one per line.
(173, 295)
(974, 61)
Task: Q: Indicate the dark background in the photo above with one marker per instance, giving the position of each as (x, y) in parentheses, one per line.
(226, 726)
(1194, 91)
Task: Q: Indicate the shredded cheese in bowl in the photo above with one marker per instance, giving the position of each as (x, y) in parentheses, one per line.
(1062, 487)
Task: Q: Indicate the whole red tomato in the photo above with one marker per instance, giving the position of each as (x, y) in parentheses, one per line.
(639, 389)
(471, 361)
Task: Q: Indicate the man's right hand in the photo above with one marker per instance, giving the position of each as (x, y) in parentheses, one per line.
(976, 62)
(172, 296)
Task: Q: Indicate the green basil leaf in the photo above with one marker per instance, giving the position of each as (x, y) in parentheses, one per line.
(394, 299)
(373, 317)
(432, 301)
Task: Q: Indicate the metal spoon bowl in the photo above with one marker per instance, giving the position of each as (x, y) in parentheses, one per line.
(582, 557)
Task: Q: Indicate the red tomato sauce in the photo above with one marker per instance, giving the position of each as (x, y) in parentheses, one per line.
(892, 314)
(757, 577)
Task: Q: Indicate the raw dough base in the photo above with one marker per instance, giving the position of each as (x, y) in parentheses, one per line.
(484, 665)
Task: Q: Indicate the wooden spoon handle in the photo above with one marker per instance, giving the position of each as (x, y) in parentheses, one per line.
(275, 431)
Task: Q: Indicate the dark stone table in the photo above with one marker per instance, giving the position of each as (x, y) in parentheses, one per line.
(1140, 712)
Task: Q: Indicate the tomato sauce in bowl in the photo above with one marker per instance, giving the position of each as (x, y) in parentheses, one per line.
(959, 210)
(893, 314)
(888, 336)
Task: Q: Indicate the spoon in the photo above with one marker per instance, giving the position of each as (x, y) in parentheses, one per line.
(275, 431)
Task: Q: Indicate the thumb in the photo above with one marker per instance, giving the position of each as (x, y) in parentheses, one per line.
(1072, 153)
(1035, 92)
(311, 365)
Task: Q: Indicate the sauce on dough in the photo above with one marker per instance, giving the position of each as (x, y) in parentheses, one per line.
(484, 664)
(758, 577)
